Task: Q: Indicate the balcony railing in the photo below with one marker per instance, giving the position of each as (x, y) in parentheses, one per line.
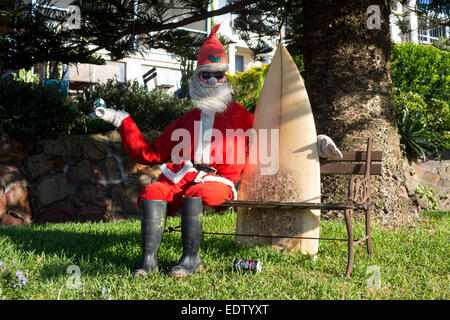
(430, 35)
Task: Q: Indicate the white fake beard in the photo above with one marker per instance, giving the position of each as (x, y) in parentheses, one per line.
(210, 99)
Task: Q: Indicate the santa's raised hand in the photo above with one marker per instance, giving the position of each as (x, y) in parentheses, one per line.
(115, 117)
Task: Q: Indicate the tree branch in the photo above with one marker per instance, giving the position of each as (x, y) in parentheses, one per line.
(146, 29)
(195, 18)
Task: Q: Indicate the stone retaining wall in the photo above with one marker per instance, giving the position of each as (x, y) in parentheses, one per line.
(434, 174)
(91, 178)
(71, 178)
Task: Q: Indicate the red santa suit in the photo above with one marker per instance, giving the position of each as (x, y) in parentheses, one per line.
(183, 179)
(212, 134)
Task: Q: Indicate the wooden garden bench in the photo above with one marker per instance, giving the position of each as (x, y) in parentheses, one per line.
(355, 164)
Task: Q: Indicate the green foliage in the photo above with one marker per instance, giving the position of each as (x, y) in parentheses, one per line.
(151, 110)
(29, 111)
(298, 59)
(247, 86)
(428, 193)
(413, 133)
(421, 76)
(26, 76)
(421, 69)
(423, 126)
(413, 263)
(438, 121)
(442, 44)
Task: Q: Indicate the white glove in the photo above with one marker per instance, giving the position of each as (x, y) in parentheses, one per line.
(327, 148)
(110, 115)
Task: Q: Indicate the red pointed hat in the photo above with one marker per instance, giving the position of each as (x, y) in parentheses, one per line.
(212, 54)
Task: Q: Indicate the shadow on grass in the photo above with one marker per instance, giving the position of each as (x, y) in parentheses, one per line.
(212, 248)
(435, 213)
(105, 252)
(110, 250)
(99, 248)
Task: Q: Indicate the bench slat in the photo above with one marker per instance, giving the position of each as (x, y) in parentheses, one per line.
(357, 156)
(330, 168)
(285, 205)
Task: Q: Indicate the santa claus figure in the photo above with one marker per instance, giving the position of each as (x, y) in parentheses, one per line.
(198, 179)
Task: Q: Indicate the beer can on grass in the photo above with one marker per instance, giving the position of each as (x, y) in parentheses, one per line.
(240, 265)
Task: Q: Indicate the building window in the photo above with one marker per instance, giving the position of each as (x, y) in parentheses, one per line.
(96, 73)
(112, 70)
(239, 66)
(428, 35)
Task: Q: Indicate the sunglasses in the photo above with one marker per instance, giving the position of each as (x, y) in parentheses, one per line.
(218, 75)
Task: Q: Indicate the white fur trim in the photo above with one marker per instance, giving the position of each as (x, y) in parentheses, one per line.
(203, 177)
(199, 177)
(212, 67)
(176, 177)
(203, 146)
(207, 126)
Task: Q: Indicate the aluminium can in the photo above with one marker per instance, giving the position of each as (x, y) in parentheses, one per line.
(240, 265)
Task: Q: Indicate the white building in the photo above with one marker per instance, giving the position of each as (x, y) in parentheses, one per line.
(418, 31)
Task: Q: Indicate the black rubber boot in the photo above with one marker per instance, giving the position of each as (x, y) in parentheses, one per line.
(191, 229)
(153, 222)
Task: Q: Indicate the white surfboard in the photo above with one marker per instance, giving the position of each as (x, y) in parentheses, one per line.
(284, 106)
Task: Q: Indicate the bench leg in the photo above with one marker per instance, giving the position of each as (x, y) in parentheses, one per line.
(369, 237)
(348, 223)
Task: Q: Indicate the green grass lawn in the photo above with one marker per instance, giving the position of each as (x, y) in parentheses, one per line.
(407, 264)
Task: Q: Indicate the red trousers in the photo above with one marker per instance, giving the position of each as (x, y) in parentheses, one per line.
(213, 193)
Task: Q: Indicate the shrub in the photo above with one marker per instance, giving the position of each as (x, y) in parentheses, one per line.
(151, 110)
(30, 110)
(247, 86)
(442, 44)
(434, 118)
(26, 76)
(414, 135)
(429, 195)
(421, 77)
(421, 69)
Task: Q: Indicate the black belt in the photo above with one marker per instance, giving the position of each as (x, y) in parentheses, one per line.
(205, 168)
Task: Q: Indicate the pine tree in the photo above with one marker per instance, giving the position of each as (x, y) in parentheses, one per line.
(33, 34)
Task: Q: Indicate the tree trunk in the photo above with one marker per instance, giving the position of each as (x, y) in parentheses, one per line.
(348, 78)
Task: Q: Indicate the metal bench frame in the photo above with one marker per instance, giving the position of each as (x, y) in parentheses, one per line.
(359, 194)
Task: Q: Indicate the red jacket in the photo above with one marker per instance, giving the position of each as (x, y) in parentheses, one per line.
(223, 141)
